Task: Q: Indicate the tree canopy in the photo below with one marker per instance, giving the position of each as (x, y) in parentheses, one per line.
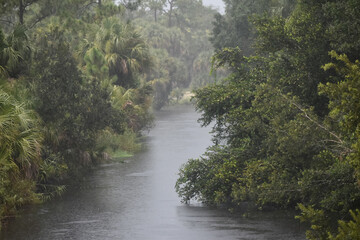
(285, 119)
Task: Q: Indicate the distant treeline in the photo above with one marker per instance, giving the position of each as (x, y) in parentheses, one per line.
(287, 118)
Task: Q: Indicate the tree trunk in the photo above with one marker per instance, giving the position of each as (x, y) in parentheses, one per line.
(170, 15)
(21, 12)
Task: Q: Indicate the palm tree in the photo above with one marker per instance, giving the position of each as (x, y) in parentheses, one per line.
(19, 154)
(14, 49)
(126, 52)
(19, 136)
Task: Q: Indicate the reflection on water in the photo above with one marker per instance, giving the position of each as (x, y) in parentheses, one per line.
(136, 200)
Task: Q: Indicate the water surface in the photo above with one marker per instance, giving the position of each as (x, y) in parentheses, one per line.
(136, 200)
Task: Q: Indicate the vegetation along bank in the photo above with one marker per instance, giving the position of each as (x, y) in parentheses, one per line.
(287, 118)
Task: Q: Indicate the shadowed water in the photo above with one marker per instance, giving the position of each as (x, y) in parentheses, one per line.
(136, 199)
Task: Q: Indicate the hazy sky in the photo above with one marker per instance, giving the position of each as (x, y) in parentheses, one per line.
(216, 3)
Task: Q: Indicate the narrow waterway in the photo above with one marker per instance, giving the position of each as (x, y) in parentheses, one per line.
(136, 200)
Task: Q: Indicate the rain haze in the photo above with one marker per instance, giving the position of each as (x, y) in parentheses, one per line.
(217, 4)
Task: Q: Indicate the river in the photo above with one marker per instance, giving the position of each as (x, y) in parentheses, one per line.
(136, 200)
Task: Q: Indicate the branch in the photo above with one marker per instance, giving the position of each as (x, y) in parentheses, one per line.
(28, 4)
(39, 19)
(316, 123)
(81, 10)
(6, 21)
(338, 139)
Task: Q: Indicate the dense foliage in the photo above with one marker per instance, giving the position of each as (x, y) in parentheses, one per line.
(286, 120)
(64, 84)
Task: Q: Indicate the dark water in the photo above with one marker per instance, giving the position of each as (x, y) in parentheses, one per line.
(136, 200)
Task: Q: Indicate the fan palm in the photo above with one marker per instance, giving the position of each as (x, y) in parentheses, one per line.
(19, 137)
(126, 52)
(19, 154)
(13, 50)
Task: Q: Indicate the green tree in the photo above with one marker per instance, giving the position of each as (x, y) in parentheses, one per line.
(125, 51)
(344, 107)
(76, 108)
(20, 150)
(14, 52)
(234, 28)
